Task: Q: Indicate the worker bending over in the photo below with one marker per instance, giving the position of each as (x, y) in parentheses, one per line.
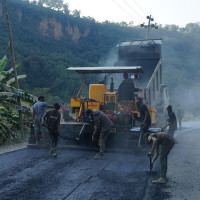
(166, 142)
(102, 126)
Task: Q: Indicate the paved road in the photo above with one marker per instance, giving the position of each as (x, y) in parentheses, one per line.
(29, 174)
(184, 165)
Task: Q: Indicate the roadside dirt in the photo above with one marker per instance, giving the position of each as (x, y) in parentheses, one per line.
(12, 147)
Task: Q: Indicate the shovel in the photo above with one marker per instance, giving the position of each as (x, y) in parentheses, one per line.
(78, 138)
(140, 137)
(150, 172)
(63, 137)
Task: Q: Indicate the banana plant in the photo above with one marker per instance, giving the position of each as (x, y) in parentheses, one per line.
(6, 77)
(9, 118)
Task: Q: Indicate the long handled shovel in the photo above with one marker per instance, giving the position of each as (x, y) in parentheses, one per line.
(150, 172)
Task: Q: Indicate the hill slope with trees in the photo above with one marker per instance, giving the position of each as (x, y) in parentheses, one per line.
(47, 41)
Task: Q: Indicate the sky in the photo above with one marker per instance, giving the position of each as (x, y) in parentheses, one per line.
(179, 12)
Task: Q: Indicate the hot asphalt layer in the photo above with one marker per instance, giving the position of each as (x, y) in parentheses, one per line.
(30, 174)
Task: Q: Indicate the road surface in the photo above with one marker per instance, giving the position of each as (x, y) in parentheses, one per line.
(29, 174)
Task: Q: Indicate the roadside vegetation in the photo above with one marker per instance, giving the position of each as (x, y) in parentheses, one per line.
(9, 109)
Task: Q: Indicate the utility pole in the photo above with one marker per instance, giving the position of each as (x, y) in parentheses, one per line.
(14, 69)
(149, 26)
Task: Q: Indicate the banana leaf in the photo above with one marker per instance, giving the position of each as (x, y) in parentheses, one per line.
(12, 80)
(3, 63)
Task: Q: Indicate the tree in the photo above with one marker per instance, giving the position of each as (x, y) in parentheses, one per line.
(34, 2)
(9, 115)
(192, 28)
(172, 27)
(54, 4)
(66, 9)
(76, 13)
(123, 24)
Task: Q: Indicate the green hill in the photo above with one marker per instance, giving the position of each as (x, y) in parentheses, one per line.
(47, 42)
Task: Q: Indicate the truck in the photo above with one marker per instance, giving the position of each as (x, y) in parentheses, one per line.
(142, 61)
(147, 53)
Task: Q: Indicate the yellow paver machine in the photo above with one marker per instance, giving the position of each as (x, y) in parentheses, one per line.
(122, 112)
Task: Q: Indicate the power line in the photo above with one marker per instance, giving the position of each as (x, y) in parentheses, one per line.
(124, 10)
(140, 8)
(133, 9)
(145, 14)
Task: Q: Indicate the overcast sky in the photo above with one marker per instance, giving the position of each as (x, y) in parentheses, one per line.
(179, 12)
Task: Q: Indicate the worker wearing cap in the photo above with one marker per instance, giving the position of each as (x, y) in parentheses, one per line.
(144, 118)
(126, 89)
(102, 126)
(166, 142)
(171, 121)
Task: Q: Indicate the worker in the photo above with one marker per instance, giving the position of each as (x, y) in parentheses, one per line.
(144, 118)
(111, 84)
(38, 112)
(166, 142)
(126, 89)
(51, 120)
(102, 126)
(180, 114)
(171, 121)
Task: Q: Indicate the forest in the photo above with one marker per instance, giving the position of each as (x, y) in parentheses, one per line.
(47, 41)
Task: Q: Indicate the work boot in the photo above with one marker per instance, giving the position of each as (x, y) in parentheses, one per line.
(160, 180)
(54, 154)
(99, 156)
(51, 153)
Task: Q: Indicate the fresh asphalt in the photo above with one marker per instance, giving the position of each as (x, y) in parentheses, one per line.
(30, 174)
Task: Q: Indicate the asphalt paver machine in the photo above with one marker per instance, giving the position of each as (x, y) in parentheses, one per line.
(124, 113)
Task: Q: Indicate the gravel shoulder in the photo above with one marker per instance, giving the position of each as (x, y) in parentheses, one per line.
(13, 147)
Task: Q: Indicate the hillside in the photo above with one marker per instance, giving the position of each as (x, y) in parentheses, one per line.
(47, 42)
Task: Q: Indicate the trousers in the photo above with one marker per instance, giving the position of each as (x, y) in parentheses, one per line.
(102, 141)
(165, 149)
(54, 140)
